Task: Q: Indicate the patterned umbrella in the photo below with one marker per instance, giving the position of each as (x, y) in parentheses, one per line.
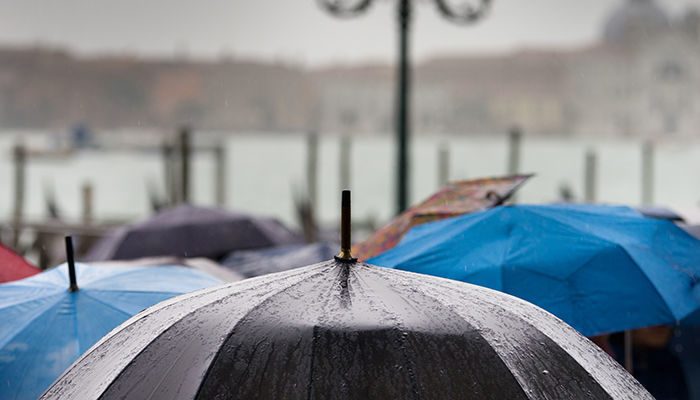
(456, 198)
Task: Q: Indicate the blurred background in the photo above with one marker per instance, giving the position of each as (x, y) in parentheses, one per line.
(283, 104)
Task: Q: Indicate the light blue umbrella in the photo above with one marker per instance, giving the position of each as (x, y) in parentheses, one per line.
(600, 269)
(44, 326)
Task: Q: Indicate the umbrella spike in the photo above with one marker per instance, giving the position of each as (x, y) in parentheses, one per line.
(345, 230)
(71, 264)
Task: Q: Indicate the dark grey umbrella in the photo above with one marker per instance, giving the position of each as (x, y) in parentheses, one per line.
(252, 263)
(192, 231)
(345, 330)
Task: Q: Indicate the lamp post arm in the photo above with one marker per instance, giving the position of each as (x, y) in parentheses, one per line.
(344, 8)
(465, 13)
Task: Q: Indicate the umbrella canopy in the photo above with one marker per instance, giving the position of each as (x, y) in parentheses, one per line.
(345, 330)
(456, 198)
(251, 263)
(45, 327)
(13, 266)
(600, 269)
(192, 231)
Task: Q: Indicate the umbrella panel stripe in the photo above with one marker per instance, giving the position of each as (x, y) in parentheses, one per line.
(91, 325)
(27, 311)
(116, 342)
(635, 280)
(467, 333)
(364, 323)
(603, 369)
(21, 383)
(539, 380)
(683, 280)
(224, 303)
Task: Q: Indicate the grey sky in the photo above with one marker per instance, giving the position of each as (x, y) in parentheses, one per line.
(294, 30)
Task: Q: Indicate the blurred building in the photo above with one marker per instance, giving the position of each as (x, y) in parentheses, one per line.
(640, 79)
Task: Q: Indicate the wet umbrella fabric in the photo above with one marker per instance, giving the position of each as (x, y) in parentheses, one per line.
(345, 331)
(251, 263)
(455, 198)
(13, 266)
(44, 327)
(600, 269)
(192, 231)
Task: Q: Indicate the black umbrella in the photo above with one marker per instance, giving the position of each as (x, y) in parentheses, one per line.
(342, 329)
(192, 231)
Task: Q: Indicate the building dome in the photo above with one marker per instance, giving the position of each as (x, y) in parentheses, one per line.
(635, 21)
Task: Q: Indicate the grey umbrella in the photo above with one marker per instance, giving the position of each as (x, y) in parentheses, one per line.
(346, 330)
(192, 231)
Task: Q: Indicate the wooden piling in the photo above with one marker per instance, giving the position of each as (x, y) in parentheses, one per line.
(184, 144)
(344, 160)
(647, 173)
(169, 173)
(220, 174)
(590, 176)
(88, 201)
(514, 139)
(443, 165)
(20, 160)
(312, 170)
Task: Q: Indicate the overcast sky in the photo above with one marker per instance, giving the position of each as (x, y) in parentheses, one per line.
(295, 30)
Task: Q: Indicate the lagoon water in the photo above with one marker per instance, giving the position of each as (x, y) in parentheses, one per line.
(264, 171)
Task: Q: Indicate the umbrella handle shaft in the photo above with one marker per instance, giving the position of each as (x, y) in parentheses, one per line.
(345, 229)
(71, 264)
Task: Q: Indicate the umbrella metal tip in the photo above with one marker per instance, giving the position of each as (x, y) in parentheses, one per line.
(345, 202)
(71, 264)
(345, 220)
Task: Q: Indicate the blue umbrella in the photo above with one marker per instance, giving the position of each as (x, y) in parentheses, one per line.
(600, 269)
(45, 326)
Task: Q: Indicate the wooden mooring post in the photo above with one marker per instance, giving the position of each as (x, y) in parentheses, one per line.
(167, 152)
(344, 159)
(88, 202)
(590, 176)
(20, 161)
(514, 140)
(443, 165)
(312, 171)
(647, 173)
(220, 174)
(184, 149)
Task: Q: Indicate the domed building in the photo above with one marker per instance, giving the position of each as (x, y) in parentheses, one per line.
(635, 21)
(641, 79)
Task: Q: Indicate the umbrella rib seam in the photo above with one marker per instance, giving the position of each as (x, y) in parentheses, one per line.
(651, 283)
(505, 365)
(440, 285)
(248, 312)
(122, 326)
(447, 307)
(25, 325)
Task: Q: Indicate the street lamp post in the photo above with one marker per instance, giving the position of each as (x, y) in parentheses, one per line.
(461, 12)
